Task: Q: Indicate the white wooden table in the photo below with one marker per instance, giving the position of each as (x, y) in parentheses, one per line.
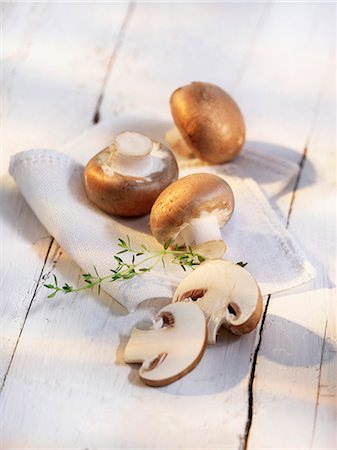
(67, 65)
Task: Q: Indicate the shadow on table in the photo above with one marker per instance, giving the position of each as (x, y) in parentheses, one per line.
(157, 127)
(287, 154)
(222, 367)
(293, 345)
(226, 364)
(213, 373)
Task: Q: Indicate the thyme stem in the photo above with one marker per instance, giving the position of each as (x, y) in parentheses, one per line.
(126, 271)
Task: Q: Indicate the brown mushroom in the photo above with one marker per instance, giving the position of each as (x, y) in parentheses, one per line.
(209, 124)
(191, 211)
(125, 178)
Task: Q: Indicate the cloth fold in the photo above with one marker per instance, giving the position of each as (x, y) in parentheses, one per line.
(52, 184)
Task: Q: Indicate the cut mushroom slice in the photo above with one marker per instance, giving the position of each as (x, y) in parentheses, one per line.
(208, 123)
(172, 347)
(125, 178)
(228, 295)
(191, 211)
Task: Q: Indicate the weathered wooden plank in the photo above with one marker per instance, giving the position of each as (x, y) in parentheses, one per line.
(75, 342)
(322, 149)
(324, 426)
(79, 395)
(277, 89)
(181, 43)
(54, 63)
(55, 60)
(280, 77)
(295, 385)
(114, 392)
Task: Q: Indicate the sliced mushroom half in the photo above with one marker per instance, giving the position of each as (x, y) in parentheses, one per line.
(172, 347)
(228, 295)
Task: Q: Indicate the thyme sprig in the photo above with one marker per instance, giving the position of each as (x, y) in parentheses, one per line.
(127, 270)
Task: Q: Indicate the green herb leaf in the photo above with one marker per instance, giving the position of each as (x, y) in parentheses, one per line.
(242, 264)
(122, 243)
(66, 288)
(125, 271)
(122, 251)
(167, 244)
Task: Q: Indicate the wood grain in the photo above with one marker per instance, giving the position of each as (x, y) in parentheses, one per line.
(297, 357)
(182, 43)
(201, 390)
(51, 81)
(67, 386)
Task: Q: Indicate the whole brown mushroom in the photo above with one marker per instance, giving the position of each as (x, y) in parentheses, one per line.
(191, 211)
(125, 178)
(208, 123)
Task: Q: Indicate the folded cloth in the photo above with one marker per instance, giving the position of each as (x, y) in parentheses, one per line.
(52, 184)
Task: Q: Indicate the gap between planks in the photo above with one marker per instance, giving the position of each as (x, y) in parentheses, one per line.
(244, 443)
(301, 164)
(96, 118)
(120, 38)
(319, 385)
(35, 291)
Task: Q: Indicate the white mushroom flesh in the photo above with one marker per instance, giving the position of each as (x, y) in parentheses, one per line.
(227, 294)
(133, 144)
(201, 230)
(132, 154)
(172, 347)
(204, 234)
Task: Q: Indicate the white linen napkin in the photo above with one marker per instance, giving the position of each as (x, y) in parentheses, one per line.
(51, 182)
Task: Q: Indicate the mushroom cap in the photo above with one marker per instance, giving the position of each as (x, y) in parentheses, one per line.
(124, 195)
(209, 121)
(188, 198)
(227, 293)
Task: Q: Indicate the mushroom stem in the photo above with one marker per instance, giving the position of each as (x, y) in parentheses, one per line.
(202, 229)
(142, 345)
(132, 155)
(177, 143)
